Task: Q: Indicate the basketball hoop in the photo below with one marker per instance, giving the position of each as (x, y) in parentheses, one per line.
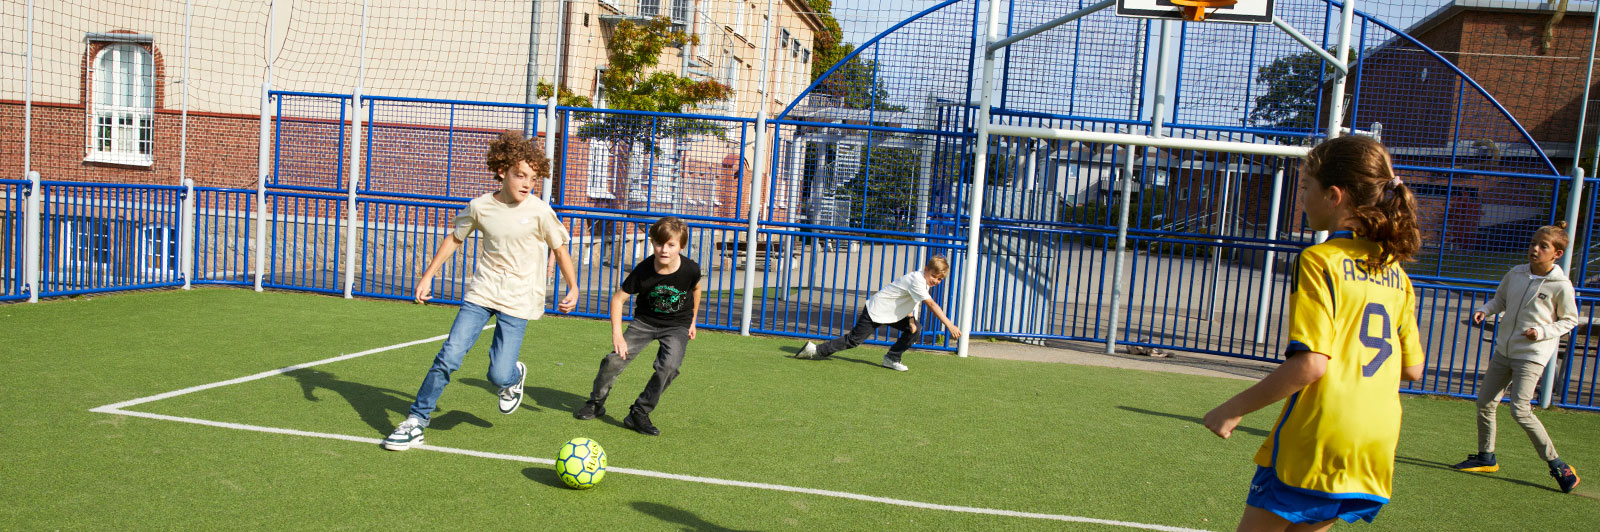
(1195, 10)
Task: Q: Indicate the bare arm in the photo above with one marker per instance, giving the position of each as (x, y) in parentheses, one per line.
(1293, 375)
(1411, 373)
(938, 312)
(694, 315)
(447, 247)
(619, 300)
(564, 262)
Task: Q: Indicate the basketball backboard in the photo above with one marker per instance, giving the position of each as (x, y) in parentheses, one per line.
(1242, 12)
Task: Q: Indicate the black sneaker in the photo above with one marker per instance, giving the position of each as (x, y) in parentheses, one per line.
(1479, 463)
(640, 423)
(1566, 476)
(590, 410)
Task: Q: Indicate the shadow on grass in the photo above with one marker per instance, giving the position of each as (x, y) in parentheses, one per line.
(683, 518)
(375, 406)
(1441, 465)
(1198, 421)
(544, 475)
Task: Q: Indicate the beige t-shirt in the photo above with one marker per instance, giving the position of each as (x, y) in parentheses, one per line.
(899, 299)
(512, 253)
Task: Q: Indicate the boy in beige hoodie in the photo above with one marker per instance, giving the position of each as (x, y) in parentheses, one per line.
(1538, 301)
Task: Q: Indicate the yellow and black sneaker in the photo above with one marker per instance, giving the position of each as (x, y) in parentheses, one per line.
(1478, 463)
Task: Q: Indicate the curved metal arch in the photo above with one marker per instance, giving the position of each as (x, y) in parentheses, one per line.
(853, 53)
(1457, 70)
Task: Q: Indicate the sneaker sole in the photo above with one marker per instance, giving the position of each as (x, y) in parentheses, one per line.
(513, 408)
(1481, 469)
(401, 446)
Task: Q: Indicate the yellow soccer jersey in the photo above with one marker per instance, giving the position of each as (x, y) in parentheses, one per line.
(1337, 436)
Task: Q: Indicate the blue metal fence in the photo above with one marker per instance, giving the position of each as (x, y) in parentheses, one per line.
(224, 230)
(13, 240)
(305, 249)
(108, 237)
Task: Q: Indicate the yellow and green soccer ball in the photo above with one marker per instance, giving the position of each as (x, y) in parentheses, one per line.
(581, 463)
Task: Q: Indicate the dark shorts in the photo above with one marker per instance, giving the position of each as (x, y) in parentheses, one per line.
(1305, 506)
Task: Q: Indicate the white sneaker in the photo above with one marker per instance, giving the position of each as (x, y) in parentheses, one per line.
(808, 351)
(404, 436)
(511, 396)
(893, 365)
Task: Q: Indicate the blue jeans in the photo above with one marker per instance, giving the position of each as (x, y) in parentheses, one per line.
(463, 333)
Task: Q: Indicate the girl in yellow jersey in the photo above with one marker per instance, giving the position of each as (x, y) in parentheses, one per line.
(1352, 339)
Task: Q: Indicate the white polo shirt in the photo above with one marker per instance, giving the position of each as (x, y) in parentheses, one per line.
(899, 299)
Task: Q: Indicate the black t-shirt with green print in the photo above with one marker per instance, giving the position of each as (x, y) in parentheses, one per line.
(663, 300)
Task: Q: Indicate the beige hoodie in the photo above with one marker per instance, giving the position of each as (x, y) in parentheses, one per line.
(1544, 304)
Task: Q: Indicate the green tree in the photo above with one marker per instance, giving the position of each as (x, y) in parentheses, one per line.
(632, 82)
(855, 84)
(883, 194)
(1290, 102)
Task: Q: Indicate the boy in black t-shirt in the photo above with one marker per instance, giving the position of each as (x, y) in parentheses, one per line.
(668, 287)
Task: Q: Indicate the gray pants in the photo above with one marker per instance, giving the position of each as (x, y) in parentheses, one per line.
(1521, 377)
(638, 335)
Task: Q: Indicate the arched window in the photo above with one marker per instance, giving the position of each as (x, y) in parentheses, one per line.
(122, 106)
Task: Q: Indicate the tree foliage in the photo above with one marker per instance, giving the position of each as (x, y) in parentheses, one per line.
(855, 84)
(632, 82)
(1291, 101)
(883, 194)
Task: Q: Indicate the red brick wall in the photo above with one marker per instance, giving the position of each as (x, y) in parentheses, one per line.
(222, 149)
(1543, 89)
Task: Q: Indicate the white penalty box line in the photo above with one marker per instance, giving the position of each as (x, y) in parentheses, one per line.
(121, 409)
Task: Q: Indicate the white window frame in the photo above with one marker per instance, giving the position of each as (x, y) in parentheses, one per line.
(598, 182)
(650, 8)
(680, 11)
(121, 111)
(739, 18)
(731, 77)
(87, 246)
(703, 51)
(158, 249)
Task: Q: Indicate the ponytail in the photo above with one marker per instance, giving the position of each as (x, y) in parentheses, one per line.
(1381, 205)
(1392, 223)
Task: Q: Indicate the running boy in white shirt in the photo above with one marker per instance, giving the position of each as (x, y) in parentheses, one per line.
(894, 306)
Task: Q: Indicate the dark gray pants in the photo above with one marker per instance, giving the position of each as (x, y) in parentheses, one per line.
(638, 335)
(863, 330)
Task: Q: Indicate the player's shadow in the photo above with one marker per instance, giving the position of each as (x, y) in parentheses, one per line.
(685, 519)
(544, 475)
(1199, 421)
(536, 398)
(1441, 465)
(375, 406)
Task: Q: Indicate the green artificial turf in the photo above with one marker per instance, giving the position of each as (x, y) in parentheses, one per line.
(1101, 443)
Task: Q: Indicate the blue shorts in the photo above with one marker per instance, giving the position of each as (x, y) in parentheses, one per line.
(1304, 506)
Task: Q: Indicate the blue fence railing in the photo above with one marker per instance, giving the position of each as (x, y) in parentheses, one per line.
(106, 237)
(13, 240)
(224, 225)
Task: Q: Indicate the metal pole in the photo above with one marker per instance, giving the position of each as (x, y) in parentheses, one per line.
(186, 234)
(550, 104)
(261, 183)
(758, 165)
(532, 90)
(1588, 77)
(31, 224)
(1264, 299)
(355, 160)
(183, 136)
(1336, 102)
(1122, 246)
(27, 99)
(1157, 112)
(1548, 380)
(31, 244)
(262, 156)
(980, 166)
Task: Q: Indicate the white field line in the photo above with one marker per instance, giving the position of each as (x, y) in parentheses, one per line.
(118, 409)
